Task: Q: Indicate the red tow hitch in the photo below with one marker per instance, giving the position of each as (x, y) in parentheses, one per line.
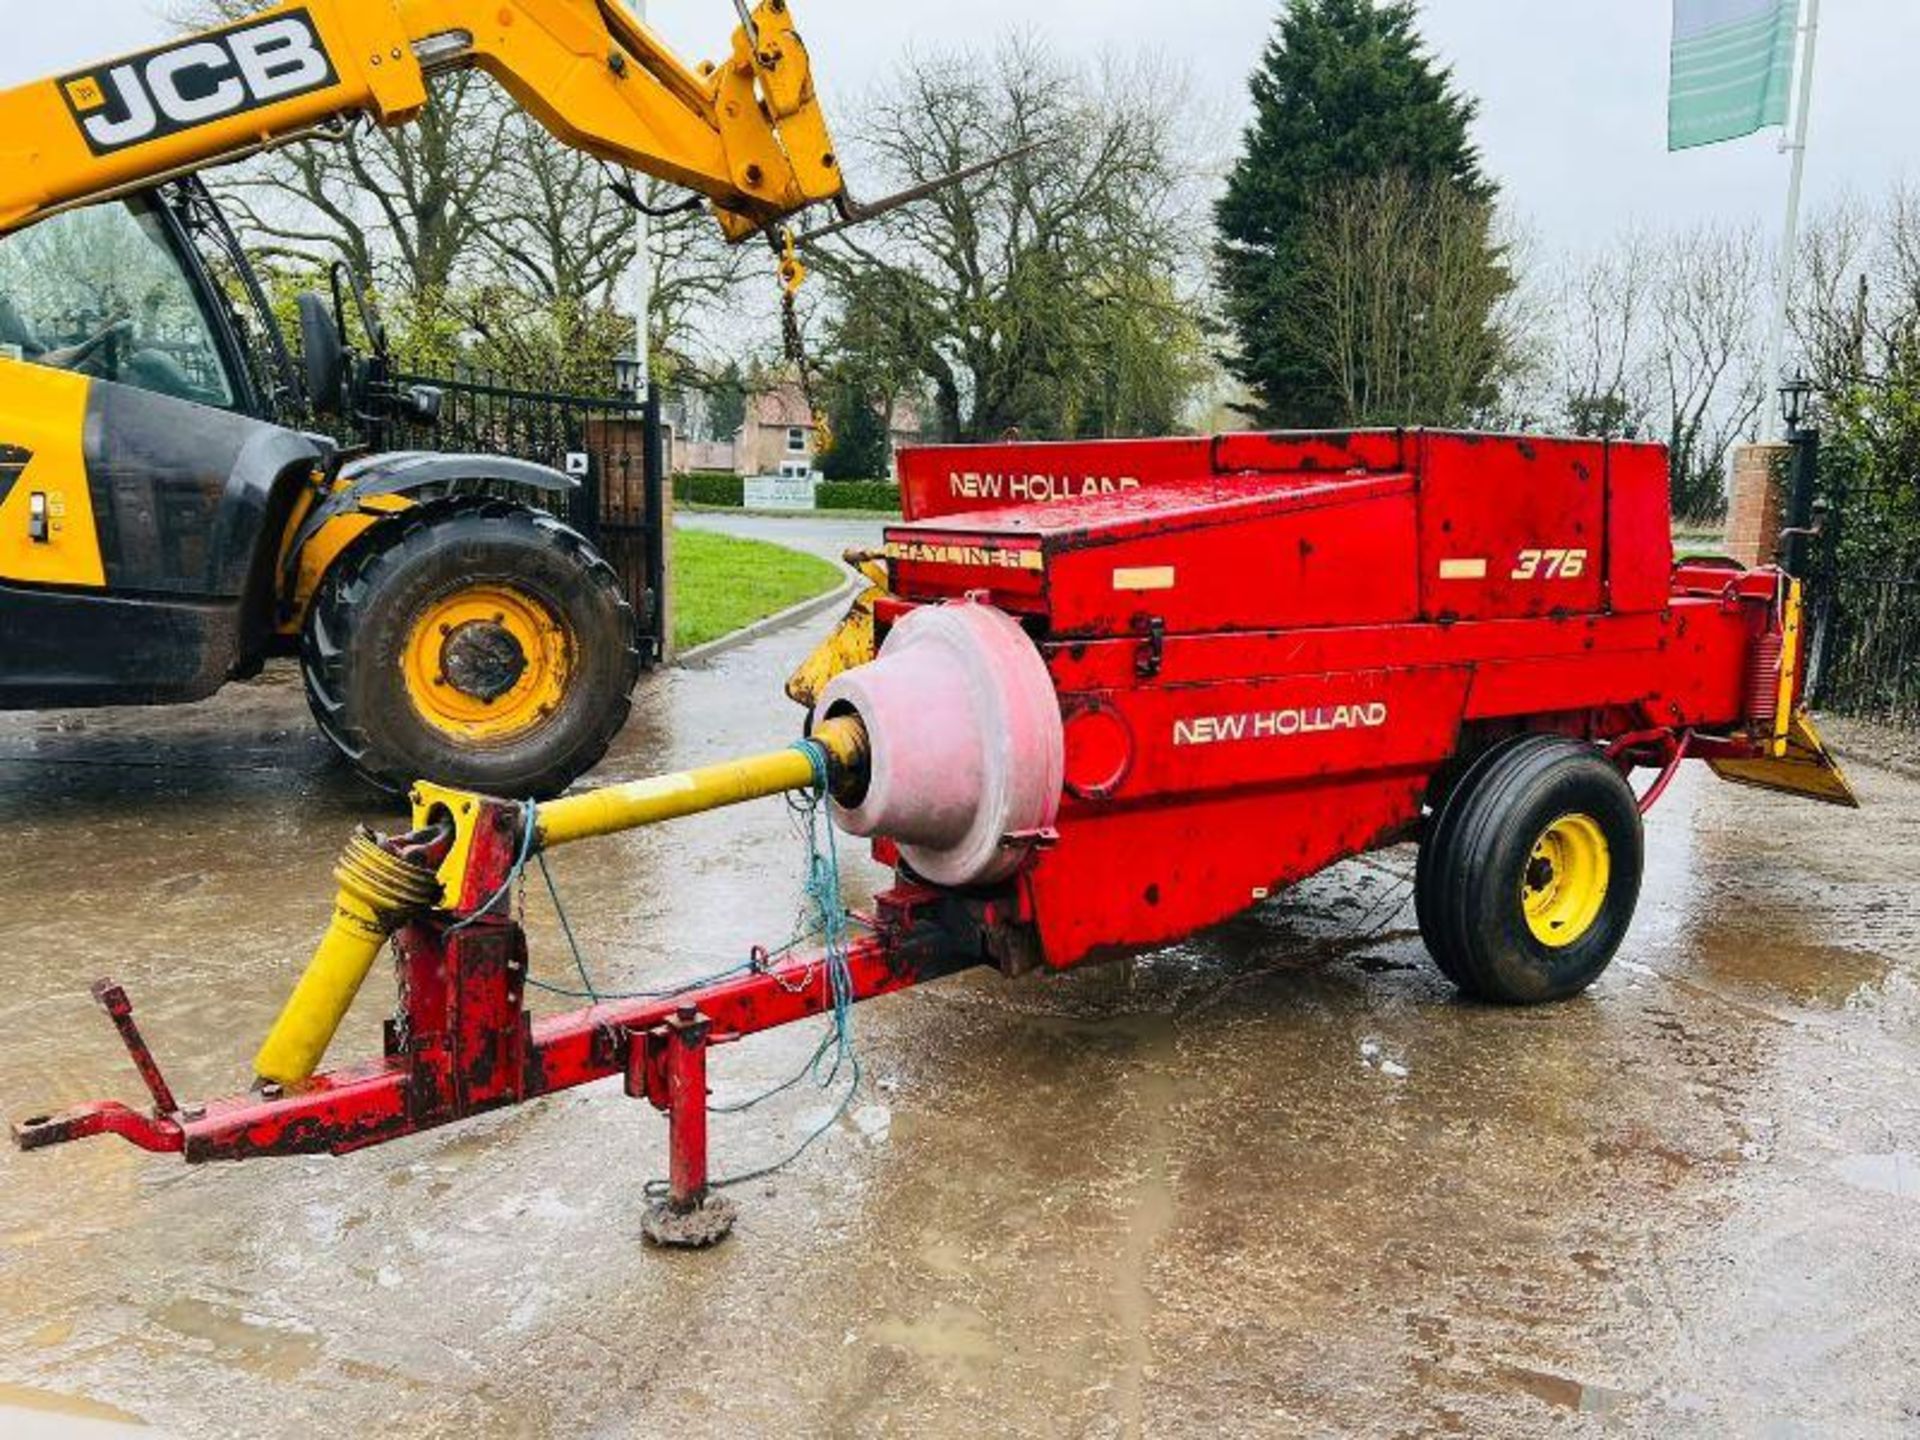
(462, 1043)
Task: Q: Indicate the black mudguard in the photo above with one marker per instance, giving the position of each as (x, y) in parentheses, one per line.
(410, 472)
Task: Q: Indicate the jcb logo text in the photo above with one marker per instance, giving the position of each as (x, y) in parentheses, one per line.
(163, 92)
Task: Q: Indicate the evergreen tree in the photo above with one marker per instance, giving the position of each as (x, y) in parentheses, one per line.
(1345, 93)
(727, 401)
(860, 441)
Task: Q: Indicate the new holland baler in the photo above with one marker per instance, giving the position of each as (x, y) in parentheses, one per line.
(1108, 695)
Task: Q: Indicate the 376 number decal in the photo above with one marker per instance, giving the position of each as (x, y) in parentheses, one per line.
(1550, 565)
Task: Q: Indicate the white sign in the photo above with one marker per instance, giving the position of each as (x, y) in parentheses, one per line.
(781, 492)
(578, 463)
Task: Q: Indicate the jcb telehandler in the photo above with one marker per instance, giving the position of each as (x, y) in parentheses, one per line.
(167, 525)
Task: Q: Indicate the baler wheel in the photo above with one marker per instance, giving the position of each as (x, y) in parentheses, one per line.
(1529, 877)
(1447, 805)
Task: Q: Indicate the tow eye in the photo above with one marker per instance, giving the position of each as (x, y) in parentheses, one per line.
(160, 1132)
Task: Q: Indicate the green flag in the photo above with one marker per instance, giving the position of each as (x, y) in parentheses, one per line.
(1732, 68)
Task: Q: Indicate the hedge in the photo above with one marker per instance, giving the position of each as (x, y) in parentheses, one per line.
(710, 488)
(858, 495)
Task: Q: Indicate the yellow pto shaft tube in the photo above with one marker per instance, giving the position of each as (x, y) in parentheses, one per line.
(380, 892)
(692, 792)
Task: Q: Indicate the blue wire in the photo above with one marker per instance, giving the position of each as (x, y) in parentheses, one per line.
(821, 891)
(528, 829)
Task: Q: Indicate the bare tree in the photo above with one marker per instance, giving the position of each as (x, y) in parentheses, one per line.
(485, 232)
(1397, 297)
(1606, 307)
(1858, 322)
(1712, 302)
(1017, 294)
(1661, 337)
(405, 205)
(1858, 307)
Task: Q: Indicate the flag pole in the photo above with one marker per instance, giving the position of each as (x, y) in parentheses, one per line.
(1771, 377)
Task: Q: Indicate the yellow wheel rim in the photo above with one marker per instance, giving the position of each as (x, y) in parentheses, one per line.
(487, 664)
(1565, 884)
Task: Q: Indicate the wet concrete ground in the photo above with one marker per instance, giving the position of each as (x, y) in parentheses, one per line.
(1273, 1182)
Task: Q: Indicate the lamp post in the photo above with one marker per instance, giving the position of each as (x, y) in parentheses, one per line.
(1803, 475)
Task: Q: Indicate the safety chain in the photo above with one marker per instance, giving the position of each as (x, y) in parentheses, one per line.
(793, 274)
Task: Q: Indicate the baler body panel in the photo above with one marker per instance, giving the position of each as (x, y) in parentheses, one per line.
(1267, 646)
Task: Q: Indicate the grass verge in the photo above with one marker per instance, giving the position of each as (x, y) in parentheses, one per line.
(723, 584)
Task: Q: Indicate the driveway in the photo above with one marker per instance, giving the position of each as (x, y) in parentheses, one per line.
(1271, 1182)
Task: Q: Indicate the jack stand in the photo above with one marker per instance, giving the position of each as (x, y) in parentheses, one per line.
(674, 1065)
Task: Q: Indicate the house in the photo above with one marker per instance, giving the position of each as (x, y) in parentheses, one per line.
(905, 427)
(776, 437)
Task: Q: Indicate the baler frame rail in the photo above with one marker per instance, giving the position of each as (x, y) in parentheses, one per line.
(463, 1044)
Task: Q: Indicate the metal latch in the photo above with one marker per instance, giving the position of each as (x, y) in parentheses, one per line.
(1042, 839)
(1153, 645)
(37, 530)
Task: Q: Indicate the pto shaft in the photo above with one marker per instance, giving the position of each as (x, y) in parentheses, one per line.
(380, 892)
(842, 742)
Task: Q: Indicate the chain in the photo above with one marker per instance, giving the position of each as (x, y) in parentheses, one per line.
(793, 275)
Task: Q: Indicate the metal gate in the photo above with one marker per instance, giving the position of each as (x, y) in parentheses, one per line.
(1866, 660)
(612, 445)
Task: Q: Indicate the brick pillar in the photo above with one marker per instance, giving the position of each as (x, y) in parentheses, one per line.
(1759, 508)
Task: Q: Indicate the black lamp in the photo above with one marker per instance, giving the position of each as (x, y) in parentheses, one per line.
(1796, 402)
(626, 375)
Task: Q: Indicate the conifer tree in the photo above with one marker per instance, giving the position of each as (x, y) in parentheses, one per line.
(1345, 95)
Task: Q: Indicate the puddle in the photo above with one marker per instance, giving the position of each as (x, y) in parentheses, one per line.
(21, 1404)
(1810, 973)
(274, 1349)
(1895, 1173)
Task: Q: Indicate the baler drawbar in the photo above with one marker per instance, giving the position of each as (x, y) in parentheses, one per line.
(1110, 694)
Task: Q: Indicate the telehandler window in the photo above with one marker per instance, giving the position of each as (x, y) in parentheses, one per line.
(101, 292)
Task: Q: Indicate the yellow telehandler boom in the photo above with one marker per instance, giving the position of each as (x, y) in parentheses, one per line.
(748, 133)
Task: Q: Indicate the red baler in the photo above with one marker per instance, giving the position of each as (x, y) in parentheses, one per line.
(1113, 693)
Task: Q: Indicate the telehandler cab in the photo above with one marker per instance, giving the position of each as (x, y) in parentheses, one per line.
(167, 520)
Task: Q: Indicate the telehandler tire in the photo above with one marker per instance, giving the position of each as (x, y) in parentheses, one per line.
(472, 642)
(1530, 872)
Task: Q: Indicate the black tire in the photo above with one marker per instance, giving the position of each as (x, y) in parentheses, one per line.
(366, 614)
(1480, 865)
(1441, 824)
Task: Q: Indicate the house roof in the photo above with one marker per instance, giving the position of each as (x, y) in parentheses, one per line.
(784, 405)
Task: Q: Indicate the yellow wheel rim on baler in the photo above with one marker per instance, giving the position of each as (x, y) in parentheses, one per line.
(1564, 887)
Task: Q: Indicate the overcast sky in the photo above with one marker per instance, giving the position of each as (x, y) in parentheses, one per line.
(1573, 92)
